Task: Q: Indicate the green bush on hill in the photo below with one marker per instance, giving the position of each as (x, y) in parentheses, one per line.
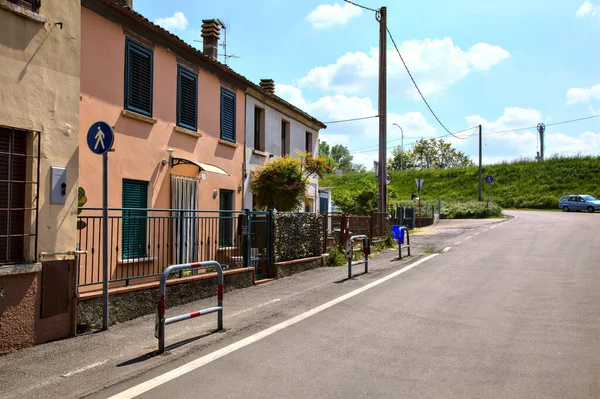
(471, 210)
(519, 184)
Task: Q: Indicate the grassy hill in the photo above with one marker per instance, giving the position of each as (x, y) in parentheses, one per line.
(520, 184)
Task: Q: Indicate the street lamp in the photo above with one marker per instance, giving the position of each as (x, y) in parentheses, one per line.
(401, 146)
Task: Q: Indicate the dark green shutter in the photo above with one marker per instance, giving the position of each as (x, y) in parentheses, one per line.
(226, 218)
(187, 98)
(138, 78)
(135, 195)
(227, 115)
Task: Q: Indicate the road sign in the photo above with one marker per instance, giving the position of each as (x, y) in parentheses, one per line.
(419, 183)
(489, 179)
(100, 138)
(388, 178)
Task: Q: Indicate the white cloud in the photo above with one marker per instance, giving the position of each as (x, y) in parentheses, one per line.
(360, 137)
(583, 95)
(512, 144)
(178, 21)
(435, 64)
(326, 16)
(588, 9)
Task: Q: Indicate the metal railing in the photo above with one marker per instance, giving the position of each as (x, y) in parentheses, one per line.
(144, 242)
(350, 253)
(162, 321)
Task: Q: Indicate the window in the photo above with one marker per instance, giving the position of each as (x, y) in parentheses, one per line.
(259, 129)
(187, 98)
(138, 78)
(16, 212)
(226, 219)
(33, 5)
(227, 115)
(309, 147)
(135, 195)
(285, 138)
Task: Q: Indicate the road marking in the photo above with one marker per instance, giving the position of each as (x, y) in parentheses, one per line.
(446, 249)
(458, 243)
(476, 234)
(81, 370)
(194, 364)
(468, 238)
(493, 227)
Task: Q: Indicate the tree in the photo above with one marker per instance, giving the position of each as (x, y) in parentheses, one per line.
(429, 154)
(281, 183)
(339, 157)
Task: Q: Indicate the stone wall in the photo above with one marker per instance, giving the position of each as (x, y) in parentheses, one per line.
(128, 305)
(284, 269)
(297, 236)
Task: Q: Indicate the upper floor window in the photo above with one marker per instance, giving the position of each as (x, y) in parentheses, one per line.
(138, 77)
(33, 5)
(227, 115)
(259, 129)
(309, 143)
(285, 138)
(187, 98)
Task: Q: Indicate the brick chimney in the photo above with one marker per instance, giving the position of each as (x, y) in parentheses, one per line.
(268, 85)
(211, 33)
(125, 3)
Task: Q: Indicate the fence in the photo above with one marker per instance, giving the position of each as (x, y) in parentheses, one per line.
(337, 228)
(142, 243)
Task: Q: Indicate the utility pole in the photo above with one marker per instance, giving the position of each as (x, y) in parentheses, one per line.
(541, 128)
(382, 110)
(480, 173)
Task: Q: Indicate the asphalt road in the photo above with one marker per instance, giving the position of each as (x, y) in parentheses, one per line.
(510, 312)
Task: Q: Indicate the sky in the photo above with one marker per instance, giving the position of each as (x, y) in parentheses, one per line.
(506, 65)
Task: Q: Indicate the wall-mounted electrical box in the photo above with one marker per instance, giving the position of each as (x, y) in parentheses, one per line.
(58, 185)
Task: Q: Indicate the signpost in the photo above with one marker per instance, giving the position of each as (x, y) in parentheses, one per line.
(489, 180)
(419, 185)
(100, 139)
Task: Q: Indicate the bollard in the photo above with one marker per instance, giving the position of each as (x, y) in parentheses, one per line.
(366, 251)
(400, 245)
(162, 321)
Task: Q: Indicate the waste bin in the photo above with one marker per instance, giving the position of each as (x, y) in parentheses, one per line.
(398, 231)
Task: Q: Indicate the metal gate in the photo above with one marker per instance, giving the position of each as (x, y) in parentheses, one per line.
(261, 239)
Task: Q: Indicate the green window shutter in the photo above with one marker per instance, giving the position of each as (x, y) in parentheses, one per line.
(227, 115)
(226, 219)
(187, 98)
(135, 195)
(139, 71)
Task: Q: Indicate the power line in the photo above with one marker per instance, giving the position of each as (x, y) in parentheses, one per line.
(547, 124)
(417, 87)
(351, 120)
(358, 5)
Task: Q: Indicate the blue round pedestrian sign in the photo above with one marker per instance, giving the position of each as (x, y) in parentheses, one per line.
(489, 179)
(100, 138)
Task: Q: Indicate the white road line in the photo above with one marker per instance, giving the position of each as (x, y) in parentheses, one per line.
(194, 364)
(476, 234)
(468, 238)
(446, 249)
(458, 243)
(81, 370)
(493, 227)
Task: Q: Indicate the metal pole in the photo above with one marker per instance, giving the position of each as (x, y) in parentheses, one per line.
(105, 241)
(419, 226)
(382, 108)
(480, 173)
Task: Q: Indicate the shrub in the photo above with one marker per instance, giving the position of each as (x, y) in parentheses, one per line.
(336, 257)
(471, 210)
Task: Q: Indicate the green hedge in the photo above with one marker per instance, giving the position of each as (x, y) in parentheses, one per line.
(471, 210)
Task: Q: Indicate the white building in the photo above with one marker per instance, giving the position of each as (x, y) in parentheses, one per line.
(276, 128)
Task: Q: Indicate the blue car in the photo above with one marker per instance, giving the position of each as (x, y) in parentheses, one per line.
(579, 203)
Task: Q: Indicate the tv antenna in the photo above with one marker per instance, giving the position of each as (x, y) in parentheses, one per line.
(225, 56)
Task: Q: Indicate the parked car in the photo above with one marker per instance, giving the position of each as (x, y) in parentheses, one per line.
(579, 203)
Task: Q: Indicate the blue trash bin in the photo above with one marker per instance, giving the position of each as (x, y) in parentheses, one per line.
(398, 232)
